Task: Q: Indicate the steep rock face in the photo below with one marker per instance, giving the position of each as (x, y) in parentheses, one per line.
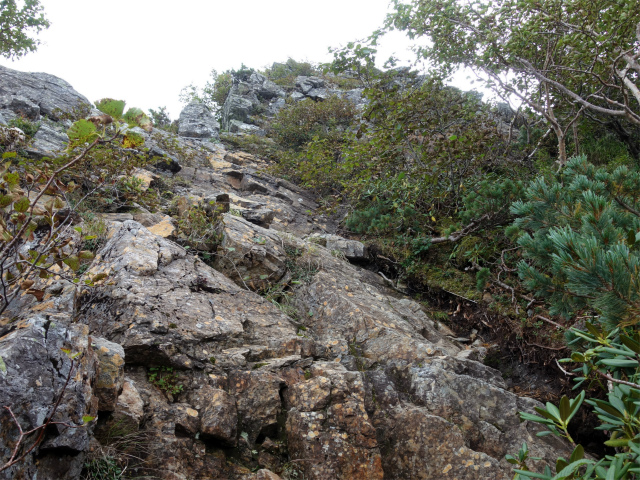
(339, 378)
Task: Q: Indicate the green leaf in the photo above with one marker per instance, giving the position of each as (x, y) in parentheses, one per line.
(618, 442)
(5, 200)
(578, 454)
(7, 155)
(86, 255)
(137, 118)
(98, 277)
(21, 205)
(73, 262)
(82, 131)
(572, 467)
(132, 140)
(111, 107)
(565, 408)
(87, 418)
(630, 343)
(620, 362)
(526, 473)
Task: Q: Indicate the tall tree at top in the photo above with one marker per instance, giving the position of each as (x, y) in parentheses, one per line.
(19, 23)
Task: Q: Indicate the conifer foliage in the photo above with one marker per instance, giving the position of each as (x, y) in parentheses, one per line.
(582, 241)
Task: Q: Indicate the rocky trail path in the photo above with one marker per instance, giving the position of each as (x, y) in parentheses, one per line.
(194, 374)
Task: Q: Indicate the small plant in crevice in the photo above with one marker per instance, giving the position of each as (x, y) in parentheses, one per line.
(300, 270)
(165, 379)
(102, 468)
(122, 450)
(199, 228)
(27, 126)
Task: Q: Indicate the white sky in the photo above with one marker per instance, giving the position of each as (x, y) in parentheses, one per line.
(145, 51)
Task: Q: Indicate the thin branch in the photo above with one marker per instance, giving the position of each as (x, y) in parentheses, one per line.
(615, 380)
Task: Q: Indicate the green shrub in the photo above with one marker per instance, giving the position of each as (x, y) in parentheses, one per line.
(199, 228)
(27, 126)
(284, 74)
(299, 123)
(44, 196)
(165, 379)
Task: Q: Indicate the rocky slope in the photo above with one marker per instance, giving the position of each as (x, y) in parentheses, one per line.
(194, 375)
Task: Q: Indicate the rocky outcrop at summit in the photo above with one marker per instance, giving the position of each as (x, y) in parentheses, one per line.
(249, 94)
(253, 100)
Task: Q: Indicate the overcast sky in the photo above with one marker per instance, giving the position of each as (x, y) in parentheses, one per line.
(145, 51)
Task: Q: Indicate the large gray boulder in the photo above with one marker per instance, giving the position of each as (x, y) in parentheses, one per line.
(197, 121)
(306, 84)
(29, 92)
(33, 371)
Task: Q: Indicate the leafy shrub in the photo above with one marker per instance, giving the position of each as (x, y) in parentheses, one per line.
(38, 240)
(285, 74)
(199, 227)
(299, 123)
(608, 359)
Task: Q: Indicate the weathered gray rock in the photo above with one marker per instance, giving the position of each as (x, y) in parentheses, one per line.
(259, 404)
(2, 120)
(329, 427)
(236, 107)
(130, 406)
(20, 106)
(307, 84)
(262, 216)
(197, 121)
(264, 88)
(110, 373)
(164, 161)
(247, 96)
(50, 140)
(47, 92)
(319, 94)
(355, 96)
(236, 126)
(352, 249)
(250, 254)
(33, 372)
(218, 412)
